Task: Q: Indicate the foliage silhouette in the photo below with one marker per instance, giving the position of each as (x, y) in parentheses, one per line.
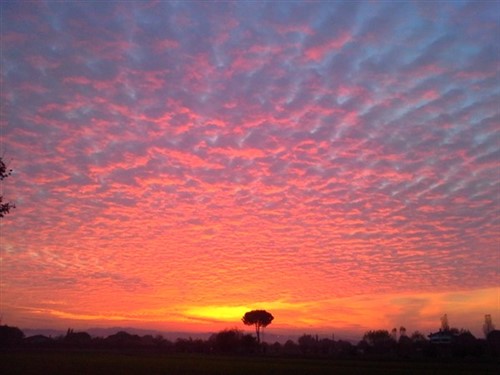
(308, 344)
(377, 337)
(10, 336)
(77, 338)
(379, 342)
(4, 173)
(445, 325)
(258, 318)
(493, 343)
(488, 325)
(232, 341)
(375, 345)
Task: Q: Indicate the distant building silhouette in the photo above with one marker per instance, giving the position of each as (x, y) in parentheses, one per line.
(441, 337)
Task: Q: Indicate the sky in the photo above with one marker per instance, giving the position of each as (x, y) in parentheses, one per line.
(176, 164)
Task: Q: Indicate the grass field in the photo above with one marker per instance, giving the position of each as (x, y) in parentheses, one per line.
(109, 363)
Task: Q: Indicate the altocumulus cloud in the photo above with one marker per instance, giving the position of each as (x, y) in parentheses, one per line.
(301, 151)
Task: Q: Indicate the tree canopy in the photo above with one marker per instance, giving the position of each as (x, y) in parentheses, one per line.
(258, 318)
(377, 337)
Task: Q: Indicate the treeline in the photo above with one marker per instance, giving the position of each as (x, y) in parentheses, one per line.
(374, 344)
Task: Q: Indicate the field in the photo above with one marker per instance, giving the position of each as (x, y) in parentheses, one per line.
(109, 363)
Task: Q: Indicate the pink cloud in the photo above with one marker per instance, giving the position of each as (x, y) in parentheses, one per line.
(319, 52)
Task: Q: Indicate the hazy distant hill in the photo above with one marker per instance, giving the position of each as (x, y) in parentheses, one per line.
(172, 336)
(105, 332)
(42, 331)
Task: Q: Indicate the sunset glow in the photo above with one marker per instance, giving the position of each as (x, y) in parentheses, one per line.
(176, 164)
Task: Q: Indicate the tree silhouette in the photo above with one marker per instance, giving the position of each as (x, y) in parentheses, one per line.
(418, 337)
(232, 341)
(4, 173)
(402, 331)
(258, 318)
(10, 336)
(379, 342)
(394, 334)
(445, 326)
(377, 337)
(488, 325)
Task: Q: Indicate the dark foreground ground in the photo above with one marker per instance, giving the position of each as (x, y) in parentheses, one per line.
(109, 363)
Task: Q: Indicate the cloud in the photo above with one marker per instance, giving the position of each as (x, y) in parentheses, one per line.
(194, 151)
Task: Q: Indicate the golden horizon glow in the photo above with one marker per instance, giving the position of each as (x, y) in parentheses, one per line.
(353, 315)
